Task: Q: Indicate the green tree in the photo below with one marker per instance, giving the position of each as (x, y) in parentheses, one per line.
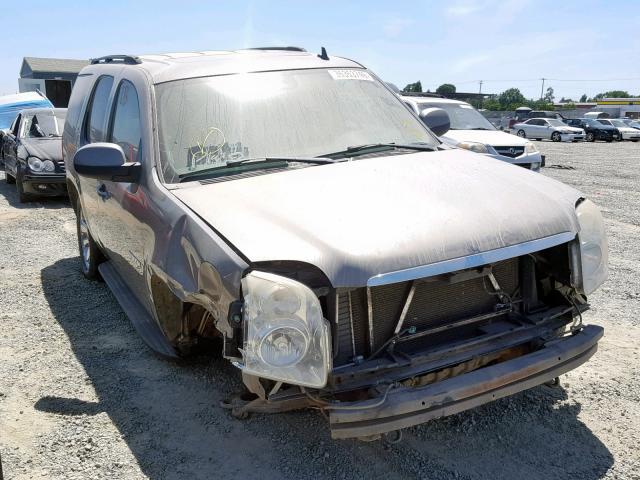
(584, 98)
(613, 94)
(491, 104)
(511, 99)
(548, 97)
(413, 87)
(446, 89)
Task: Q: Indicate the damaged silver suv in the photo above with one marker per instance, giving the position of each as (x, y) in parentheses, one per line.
(291, 206)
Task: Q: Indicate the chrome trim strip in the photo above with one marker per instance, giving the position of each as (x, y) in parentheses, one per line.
(470, 261)
(353, 336)
(370, 318)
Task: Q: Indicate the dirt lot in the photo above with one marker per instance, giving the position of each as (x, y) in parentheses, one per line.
(82, 397)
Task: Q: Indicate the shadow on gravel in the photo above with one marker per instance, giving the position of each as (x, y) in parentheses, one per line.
(11, 194)
(168, 415)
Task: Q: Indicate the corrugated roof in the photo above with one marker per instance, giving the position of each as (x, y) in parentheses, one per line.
(62, 65)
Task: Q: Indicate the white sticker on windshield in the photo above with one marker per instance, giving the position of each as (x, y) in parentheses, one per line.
(350, 75)
(466, 106)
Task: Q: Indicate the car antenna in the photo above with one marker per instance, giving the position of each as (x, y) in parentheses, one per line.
(323, 54)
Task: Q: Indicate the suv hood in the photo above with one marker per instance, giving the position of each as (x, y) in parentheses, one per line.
(358, 219)
(43, 148)
(495, 138)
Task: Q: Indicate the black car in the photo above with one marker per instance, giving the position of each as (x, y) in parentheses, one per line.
(32, 152)
(595, 130)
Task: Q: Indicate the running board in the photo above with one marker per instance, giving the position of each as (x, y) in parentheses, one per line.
(144, 324)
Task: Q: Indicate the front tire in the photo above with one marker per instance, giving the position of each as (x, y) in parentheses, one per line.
(90, 254)
(555, 136)
(522, 134)
(591, 137)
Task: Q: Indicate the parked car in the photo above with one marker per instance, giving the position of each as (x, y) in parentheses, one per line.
(470, 130)
(292, 206)
(548, 128)
(596, 115)
(32, 152)
(626, 132)
(10, 105)
(632, 123)
(594, 130)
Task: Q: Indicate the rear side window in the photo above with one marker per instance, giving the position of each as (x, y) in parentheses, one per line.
(125, 126)
(96, 119)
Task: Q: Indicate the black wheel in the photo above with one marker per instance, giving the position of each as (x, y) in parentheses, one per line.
(22, 196)
(8, 178)
(609, 140)
(90, 254)
(555, 136)
(591, 137)
(521, 134)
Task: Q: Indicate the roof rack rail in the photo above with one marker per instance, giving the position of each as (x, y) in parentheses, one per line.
(126, 59)
(421, 94)
(286, 49)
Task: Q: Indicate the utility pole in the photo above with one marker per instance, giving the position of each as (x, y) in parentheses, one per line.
(542, 89)
(480, 93)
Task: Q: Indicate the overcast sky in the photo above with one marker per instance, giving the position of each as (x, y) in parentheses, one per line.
(585, 46)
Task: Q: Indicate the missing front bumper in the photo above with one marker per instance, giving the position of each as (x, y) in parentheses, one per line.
(405, 407)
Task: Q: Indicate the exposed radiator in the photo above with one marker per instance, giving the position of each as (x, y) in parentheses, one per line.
(434, 303)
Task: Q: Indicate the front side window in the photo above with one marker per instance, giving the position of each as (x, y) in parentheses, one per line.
(208, 122)
(16, 125)
(125, 126)
(461, 116)
(96, 120)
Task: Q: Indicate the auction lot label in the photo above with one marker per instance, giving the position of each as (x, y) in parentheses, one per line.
(344, 74)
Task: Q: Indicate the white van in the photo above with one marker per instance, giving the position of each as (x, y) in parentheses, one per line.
(470, 130)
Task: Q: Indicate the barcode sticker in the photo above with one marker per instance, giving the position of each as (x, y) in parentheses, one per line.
(350, 75)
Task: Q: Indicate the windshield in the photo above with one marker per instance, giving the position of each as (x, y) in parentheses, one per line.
(619, 123)
(461, 116)
(208, 122)
(554, 122)
(45, 124)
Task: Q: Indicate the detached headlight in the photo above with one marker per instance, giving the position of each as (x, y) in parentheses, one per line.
(530, 147)
(474, 147)
(594, 251)
(286, 337)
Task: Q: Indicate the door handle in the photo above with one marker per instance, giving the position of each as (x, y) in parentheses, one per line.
(102, 191)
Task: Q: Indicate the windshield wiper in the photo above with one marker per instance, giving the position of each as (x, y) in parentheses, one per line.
(247, 164)
(479, 128)
(364, 149)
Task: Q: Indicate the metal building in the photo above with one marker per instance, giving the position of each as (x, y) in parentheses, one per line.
(54, 77)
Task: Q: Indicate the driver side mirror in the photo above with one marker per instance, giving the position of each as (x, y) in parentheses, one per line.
(105, 161)
(436, 119)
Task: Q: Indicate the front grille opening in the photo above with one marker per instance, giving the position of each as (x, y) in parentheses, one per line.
(447, 309)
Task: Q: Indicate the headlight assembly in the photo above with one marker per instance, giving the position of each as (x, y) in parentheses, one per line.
(474, 147)
(594, 251)
(529, 147)
(36, 165)
(286, 337)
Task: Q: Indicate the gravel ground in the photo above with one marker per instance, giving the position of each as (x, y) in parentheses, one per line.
(82, 397)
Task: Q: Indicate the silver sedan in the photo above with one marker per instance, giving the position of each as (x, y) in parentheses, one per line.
(548, 128)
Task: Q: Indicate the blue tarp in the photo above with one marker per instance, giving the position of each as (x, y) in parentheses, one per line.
(10, 105)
